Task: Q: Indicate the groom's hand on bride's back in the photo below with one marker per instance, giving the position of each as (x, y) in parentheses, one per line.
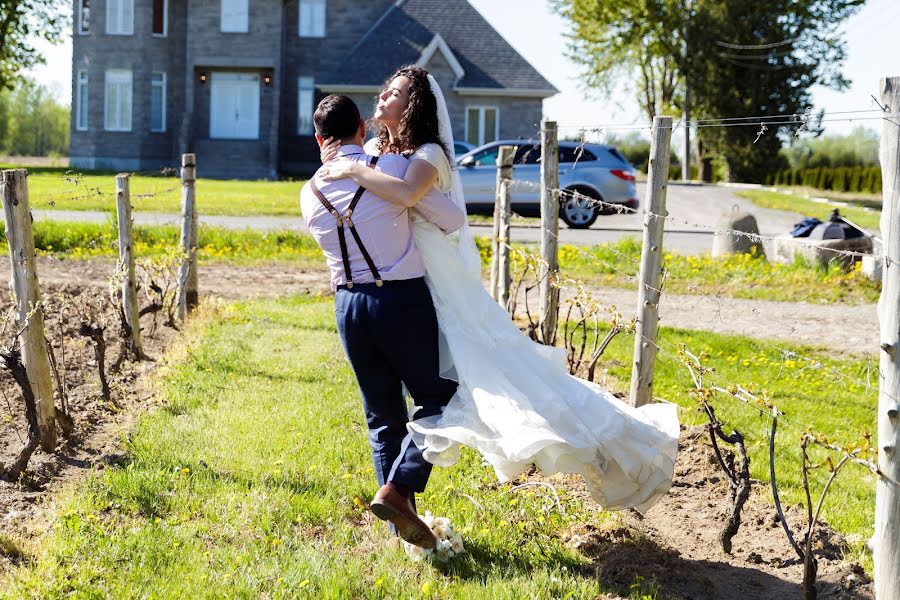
(328, 149)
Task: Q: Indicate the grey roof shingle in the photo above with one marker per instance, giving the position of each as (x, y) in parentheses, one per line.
(406, 28)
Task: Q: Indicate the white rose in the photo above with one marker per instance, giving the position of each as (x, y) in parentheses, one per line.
(456, 544)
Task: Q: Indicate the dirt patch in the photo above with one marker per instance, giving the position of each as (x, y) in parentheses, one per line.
(674, 549)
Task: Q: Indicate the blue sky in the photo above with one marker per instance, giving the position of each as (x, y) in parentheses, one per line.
(538, 34)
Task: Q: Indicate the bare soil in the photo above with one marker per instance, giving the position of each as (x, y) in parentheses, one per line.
(673, 549)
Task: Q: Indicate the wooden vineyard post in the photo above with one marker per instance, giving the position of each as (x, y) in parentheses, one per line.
(126, 265)
(33, 341)
(549, 231)
(504, 202)
(187, 275)
(887, 491)
(645, 336)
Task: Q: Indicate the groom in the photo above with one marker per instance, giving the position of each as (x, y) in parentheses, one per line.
(384, 310)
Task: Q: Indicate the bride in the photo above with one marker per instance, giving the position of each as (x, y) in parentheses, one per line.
(516, 402)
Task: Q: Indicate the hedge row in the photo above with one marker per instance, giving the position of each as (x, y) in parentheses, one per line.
(838, 179)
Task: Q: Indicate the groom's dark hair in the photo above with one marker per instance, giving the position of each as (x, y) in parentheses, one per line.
(337, 116)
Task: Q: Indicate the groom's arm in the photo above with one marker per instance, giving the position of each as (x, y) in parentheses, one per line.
(440, 210)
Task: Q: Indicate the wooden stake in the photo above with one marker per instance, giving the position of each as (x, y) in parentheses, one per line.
(33, 341)
(651, 264)
(126, 265)
(504, 202)
(187, 275)
(887, 493)
(550, 230)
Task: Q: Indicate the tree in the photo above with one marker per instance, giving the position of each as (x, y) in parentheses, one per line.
(617, 41)
(745, 58)
(21, 23)
(32, 122)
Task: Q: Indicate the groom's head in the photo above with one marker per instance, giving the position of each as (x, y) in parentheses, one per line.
(338, 117)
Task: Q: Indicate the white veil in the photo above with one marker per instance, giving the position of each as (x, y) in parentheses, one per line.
(468, 252)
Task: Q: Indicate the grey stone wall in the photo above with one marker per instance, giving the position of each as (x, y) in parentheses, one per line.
(142, 54)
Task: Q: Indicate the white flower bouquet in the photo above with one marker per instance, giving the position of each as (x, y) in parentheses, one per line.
(449, 542)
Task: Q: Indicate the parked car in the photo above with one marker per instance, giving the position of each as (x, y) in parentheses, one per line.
(594, 171)
(460, 148)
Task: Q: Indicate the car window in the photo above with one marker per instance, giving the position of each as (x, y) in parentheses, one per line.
(528, 155)
(615, 152)
(575, 154)
(487, 158)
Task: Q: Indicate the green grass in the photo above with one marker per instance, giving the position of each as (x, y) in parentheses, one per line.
(780, 201)
(616, 264)
(250, 476)
(247, 481)
(90, 240)
(739, 276)
(62, 189)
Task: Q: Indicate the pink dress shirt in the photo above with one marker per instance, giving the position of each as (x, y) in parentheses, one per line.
(384, 227)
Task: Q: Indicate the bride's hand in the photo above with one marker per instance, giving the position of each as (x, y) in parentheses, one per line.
(340, 168)
(329, 149)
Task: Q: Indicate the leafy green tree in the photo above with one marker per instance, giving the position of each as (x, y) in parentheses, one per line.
(620, 41)
(32, 121)
(21, 23)
(739, 58)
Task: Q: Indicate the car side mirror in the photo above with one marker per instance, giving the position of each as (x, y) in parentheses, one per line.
(468, 162)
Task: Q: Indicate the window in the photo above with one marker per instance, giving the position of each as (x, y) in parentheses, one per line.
(84, 16)
(120, 17)
(117, 104)
(306, 105)
(158, 102)
(161, 18)
(487, 158)
(482, 125)
(312, 18)
(530, 154)
(235, 16)
(81, 102)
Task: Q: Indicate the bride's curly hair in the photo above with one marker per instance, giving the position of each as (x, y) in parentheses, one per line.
(419, 123)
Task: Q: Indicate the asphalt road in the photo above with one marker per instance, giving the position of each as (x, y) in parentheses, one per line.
(694, 212)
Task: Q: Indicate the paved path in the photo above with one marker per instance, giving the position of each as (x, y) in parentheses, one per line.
(701, 205)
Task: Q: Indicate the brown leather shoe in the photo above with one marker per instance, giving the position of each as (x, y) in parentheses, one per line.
(391, 505)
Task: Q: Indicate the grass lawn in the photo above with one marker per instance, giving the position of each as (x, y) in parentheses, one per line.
(251, 477)
(781, 201)
(615, 264)
(61, 189)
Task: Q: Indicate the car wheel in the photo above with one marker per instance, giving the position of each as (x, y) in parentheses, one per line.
(578, 211)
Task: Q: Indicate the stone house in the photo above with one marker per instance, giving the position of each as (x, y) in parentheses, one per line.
(236, 81)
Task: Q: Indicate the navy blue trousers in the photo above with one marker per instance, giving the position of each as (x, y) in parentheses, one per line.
(390, 335)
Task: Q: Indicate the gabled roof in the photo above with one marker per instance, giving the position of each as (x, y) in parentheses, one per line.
(411, 31)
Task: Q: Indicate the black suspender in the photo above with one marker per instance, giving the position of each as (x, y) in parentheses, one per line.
(345, 220)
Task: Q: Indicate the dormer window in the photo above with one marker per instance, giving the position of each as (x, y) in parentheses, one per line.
(312, 18)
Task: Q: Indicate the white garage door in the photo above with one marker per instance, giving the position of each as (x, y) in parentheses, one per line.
(234, 106)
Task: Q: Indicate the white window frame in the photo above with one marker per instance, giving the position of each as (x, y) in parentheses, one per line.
(124, 26)
(165, 31)
(81, 29)
(306, 85)
(123, 79)
(481, 113)
(160, 84)
(316, 25)
(81, 101)
(238, 26)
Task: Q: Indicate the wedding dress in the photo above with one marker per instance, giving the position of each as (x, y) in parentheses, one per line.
(516, 403)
